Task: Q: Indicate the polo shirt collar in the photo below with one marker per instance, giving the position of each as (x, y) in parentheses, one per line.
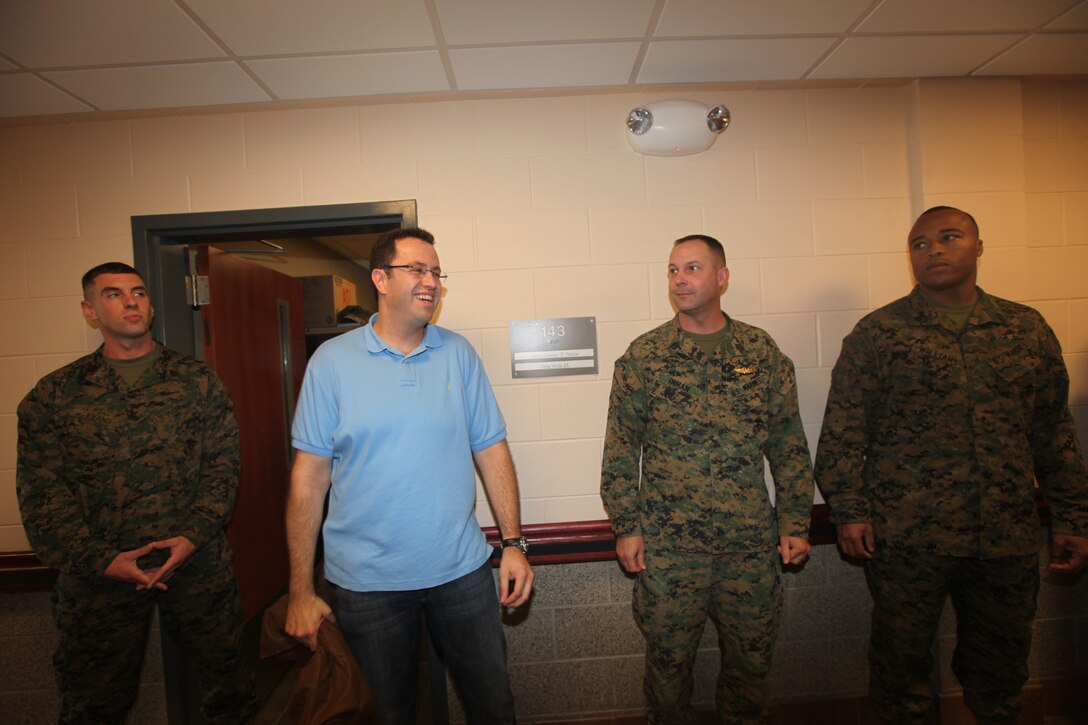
(375, 344)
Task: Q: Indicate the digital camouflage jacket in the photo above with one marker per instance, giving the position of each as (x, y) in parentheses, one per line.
(105, 468)
(935, 437)
(702, 427)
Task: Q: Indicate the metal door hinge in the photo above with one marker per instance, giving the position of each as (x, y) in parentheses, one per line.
(197, 291)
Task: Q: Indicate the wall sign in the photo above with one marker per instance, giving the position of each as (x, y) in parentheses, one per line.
(556, 346)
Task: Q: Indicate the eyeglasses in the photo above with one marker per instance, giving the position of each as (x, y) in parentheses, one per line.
(418, 271)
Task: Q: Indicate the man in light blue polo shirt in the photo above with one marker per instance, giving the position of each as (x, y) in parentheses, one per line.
(391, 420)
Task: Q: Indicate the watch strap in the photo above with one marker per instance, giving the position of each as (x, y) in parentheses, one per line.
(520, 542)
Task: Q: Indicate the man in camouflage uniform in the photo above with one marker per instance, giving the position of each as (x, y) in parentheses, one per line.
(696, 405)
(127, 472)
(944, 406)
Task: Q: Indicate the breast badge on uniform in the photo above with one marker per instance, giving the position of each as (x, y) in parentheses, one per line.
(744, 369)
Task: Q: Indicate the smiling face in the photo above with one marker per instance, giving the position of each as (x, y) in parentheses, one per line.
(944, 250)
(119, 306)
(696, 279)
(403, 298)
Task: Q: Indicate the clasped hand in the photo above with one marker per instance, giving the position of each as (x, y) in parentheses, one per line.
(125, 567)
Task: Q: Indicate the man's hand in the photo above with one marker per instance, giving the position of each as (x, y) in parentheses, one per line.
(305, 613)
(793, 549)
(631, 551)
(1068, 553)
(857, 540)
(180, 549)
(311, 477)
(124, 568)
(514, 567)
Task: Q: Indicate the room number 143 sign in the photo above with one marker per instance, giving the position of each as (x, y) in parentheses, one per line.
(556, 346)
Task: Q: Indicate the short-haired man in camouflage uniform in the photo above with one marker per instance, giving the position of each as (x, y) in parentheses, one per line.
(696, 405)
(945, 406)
(127, 472)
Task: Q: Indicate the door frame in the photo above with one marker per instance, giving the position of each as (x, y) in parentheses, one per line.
(160, 249)
(160, 245)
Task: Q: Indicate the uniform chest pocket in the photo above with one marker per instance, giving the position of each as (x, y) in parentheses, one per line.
(740, 396)
(1016, 367)
(170, 434)
(91, 447)
(674, 394)
(94, 434)
(744, 382)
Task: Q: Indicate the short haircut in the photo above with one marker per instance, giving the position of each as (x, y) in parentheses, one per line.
(714, 245)
(106, 268)
(934, 209)
(385, 248)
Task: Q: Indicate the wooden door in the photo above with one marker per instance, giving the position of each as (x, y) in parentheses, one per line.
(254, 338)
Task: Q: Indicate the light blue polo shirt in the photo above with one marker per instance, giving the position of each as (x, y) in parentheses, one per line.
(401, 430)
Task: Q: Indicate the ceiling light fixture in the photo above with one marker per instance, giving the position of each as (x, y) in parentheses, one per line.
(675, 127)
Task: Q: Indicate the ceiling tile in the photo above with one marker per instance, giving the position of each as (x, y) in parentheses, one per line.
(251, 27)
(21, 94)
(1043, 54)
(710, 61)
(1076, 19)
(543, 66)
(474, 22)
(59, 33)
(920, 16)
(162, 86)
(916, 56)
(353, 75)
(131, 54)
(771, 17)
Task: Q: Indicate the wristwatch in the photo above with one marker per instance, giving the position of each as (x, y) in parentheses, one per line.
(519, 542)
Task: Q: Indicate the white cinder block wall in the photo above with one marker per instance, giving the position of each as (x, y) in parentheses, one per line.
(542, 210)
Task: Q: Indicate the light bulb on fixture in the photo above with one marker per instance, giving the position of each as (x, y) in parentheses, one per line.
(675, 127)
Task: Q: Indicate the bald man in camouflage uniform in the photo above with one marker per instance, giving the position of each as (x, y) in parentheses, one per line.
(945, 405)
(696, 405)
(127, 473)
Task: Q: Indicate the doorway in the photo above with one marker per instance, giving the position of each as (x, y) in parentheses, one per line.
(173, 253)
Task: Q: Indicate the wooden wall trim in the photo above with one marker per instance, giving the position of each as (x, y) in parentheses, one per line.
(564, 543)
(572, 542)
(21, 571)
(569, 542)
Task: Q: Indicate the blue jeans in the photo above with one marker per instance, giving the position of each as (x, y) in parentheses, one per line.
(383, 631)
